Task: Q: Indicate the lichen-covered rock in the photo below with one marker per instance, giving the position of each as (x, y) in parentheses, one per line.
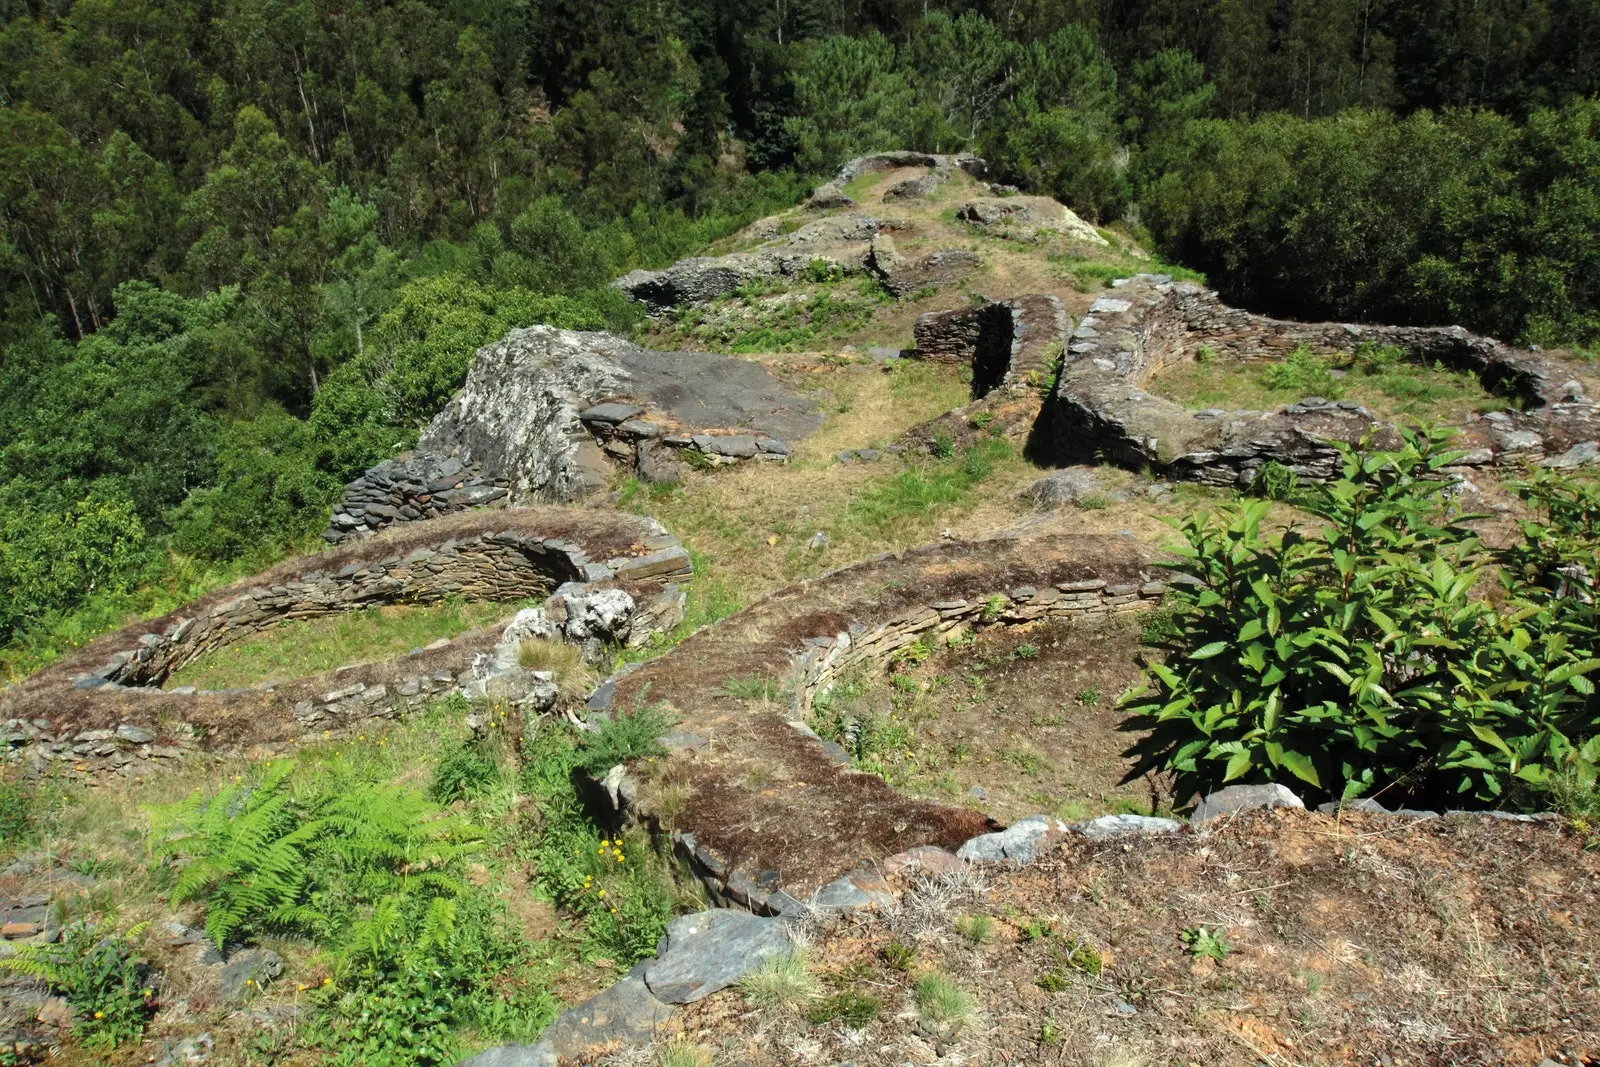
(1021, 842)
(537, 405)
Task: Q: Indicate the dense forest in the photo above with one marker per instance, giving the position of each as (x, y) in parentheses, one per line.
(249, 247)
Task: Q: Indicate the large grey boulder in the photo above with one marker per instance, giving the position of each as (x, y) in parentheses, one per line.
(1237, 798)
(711, 950)
(520, 417)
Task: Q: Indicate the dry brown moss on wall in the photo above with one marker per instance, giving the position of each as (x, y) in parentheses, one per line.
(775, 812)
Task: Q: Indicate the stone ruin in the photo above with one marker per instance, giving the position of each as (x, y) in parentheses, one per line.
(546, 415)
(1100, 408)
(607, 578)
(941, 169)
(852, 243)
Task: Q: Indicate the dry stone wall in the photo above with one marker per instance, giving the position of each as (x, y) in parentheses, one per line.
(1100, 408)
(101, 710)
(767, 849)
(1005, 342)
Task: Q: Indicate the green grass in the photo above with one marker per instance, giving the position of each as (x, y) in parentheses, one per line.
(1377, 379)
(941, 1002)
(781, 983)
(308, 646)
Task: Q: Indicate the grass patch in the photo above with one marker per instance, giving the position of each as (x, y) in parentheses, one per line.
(781, 983)
(976, 929)
(942, 1003)
(562, 659)
(849, 1007)
(1380, 379)
(310, 646)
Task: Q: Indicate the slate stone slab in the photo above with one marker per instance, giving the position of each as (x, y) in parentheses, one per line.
(626, 1013)
(247, 972)
(857, 891)
(711, 950)
(540, 1055)
(610, 412)
(1020, 842)
(1236, 798)
(1125, 825)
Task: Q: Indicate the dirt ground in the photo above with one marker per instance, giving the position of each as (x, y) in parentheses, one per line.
(1019, 721)
(1349, 940)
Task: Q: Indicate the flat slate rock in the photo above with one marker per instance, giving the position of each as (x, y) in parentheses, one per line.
(853, 892)
(1125, 825)
(710, 951)
(540, 1055)
(1020, 842)
(1236, 798)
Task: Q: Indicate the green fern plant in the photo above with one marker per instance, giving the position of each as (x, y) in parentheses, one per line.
(99, 974)
(242, 851)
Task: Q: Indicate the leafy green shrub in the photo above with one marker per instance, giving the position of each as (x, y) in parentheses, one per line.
(630, 735)
(1301, 372)
(100, 975)
(1204, 943)
(261, 858)
(1367, 658)
(619, 888)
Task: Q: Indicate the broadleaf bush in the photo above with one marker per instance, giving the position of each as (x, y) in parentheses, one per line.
(1368, 658)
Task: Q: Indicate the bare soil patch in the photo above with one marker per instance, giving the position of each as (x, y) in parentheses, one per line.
(1351, 940)
(1009, 722)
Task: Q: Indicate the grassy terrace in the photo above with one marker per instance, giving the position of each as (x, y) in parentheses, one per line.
(309, 646)
(1378, 379)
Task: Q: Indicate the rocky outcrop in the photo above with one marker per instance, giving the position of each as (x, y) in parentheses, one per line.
(1026, 216)
(546, 414)
(838, 243)
(1100, 407)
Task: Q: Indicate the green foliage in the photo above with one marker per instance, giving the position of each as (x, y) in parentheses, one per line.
(464, 770)
(1204, 943)
(1462, 216)
(243, 851)
(850, 1007)
(632, 734)
(618, 888)
(18, 813)
(100, 975)
(1367, 659)
(338, 864)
